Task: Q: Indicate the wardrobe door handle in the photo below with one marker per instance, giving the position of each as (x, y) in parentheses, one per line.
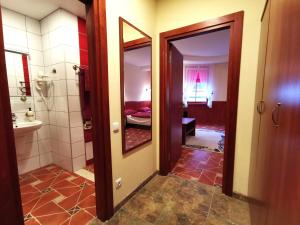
(275, 115)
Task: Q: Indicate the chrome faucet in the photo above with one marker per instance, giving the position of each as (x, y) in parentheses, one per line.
(14, 117)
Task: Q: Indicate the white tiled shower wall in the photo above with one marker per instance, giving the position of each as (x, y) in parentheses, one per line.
(61, 52)
(52, 44)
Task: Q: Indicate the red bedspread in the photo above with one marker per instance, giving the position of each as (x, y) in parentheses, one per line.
(142, 114)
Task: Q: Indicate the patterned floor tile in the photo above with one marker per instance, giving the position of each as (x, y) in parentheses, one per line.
(51, 195)
(199, 164)
(171, 200)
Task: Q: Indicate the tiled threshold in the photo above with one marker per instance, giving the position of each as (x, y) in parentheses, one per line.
(52, 195)
(200, 165)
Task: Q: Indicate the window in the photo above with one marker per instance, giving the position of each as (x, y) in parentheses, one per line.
(199, 93)
(195, 84)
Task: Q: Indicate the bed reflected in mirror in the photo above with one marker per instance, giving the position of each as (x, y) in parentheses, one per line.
(136, 64)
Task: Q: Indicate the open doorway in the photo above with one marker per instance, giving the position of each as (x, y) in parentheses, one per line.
(173, 127)
(204, 96)
(48, 85)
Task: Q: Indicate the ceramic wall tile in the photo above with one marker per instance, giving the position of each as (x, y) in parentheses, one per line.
(78, 149)
(33, 26)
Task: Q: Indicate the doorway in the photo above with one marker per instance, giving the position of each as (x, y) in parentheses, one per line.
(204, 97)
(39, 87)
(171, 127)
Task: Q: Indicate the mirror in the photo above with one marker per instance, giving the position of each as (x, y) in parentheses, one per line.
(136, 76)
(18, 73)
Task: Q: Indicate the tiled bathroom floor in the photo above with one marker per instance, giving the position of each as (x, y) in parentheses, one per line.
(52, 196)
(201, 165)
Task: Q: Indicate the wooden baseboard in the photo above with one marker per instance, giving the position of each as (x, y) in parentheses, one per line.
(241, 197)
(123, 202)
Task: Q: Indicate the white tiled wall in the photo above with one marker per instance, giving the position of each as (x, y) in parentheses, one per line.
(61, 51)
(52, 44)
(22, 33)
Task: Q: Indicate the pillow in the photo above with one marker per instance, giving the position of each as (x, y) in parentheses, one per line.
(144, 109)
(130, 112)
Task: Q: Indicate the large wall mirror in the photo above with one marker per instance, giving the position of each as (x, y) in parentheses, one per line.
(136, 76)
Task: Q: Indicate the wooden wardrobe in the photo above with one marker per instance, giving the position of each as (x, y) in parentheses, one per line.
(274, 183)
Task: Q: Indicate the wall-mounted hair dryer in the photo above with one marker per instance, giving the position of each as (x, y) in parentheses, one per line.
(45, 87)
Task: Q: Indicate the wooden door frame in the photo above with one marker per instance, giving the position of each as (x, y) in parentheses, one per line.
(97, 46)
(234, 22)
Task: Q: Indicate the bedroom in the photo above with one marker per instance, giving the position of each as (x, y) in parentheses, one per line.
(204, 85)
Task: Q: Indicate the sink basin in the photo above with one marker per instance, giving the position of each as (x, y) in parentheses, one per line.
(22, 128)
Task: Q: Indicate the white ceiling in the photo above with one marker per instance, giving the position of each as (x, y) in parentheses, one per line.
(38, 9)
(140, 57)
(210, 44)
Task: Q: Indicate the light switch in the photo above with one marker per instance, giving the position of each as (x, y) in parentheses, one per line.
(115, 127)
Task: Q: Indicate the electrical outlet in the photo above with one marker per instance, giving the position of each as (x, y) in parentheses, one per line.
(118, 183)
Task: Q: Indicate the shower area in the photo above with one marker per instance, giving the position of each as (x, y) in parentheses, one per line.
(47, 68)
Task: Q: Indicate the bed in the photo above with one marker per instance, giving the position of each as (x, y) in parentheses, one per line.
(138, 114)
(139, 118)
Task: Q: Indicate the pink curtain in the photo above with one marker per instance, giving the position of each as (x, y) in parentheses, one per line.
(193, 74)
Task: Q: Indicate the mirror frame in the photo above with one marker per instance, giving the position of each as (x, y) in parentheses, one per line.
(130, 45)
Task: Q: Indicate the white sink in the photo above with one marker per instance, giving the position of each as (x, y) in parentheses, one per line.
(22, 128)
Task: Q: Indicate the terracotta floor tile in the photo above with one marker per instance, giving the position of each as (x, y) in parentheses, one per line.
(201, 165)
(27, 197)
(63, 175)
(32, 222)
(41, 171)
(70, 201)
(27, 180)
(78, 180)
(54, 190)
(29, 206)
(87, 190)
(92, 211)
(45, 198)
(67, 191)
(45, 177)
(90, 201)
(53, 219)
(47, 209)
(80, 218)
(63, 184)
(28, 189)
(205, 180)
(45, 184)
(209, 174)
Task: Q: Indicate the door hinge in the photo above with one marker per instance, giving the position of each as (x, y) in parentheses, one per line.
(260, 107)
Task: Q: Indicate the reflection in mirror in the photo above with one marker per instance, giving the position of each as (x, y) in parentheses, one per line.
(135, 57)
(18, 74)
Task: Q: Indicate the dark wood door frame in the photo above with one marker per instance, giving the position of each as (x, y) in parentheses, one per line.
(10, 205)
(98, 66)
(234, 22)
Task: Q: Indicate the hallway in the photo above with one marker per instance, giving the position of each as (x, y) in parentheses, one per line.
(171, 200)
